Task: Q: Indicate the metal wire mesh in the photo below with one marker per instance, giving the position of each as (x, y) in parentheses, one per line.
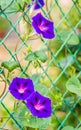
(48, 12)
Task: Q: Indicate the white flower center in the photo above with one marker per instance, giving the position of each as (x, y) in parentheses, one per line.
(42, 28)
(21, 90)
(38, 106)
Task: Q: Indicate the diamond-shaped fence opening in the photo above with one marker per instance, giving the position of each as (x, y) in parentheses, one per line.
(52, 70)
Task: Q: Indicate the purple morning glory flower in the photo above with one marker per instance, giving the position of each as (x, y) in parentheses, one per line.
(39, 105)
(21, 88)
(38, 4)
(43, 26)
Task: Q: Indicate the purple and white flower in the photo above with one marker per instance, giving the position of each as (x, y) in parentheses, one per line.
(39, 106)
(43, 26)
(21, 88)
(38, 4)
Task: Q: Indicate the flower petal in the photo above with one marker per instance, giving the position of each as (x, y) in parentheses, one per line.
(38, 4)
(21, 88)
(43, 26)
(39, 105)
(36, 21)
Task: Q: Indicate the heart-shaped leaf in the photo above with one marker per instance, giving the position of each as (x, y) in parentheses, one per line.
(28, 120)
(31, 57)
(41, 88)
(41, 55)
(67, 61)
(10, 65)
(73, 40)
(37, 55)
(74, 86)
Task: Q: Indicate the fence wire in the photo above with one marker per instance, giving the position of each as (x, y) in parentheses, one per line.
(64, 18)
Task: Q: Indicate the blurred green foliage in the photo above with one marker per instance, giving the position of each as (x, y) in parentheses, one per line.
(61, 60)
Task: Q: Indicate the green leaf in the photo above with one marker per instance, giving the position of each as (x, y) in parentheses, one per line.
(41, 55)
(35, 77)
(67, 61)
(28, 120)
(41, 88)
(73, 40)
(37, 55)
(10, 66)
(31, 57)
(74, 86)
(68, 128)
(38, 86)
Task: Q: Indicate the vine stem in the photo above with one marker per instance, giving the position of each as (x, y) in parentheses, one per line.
(19, 62)
(47, 8)
(4, 86)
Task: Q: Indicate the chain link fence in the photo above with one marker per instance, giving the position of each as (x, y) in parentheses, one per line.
(63, 62)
